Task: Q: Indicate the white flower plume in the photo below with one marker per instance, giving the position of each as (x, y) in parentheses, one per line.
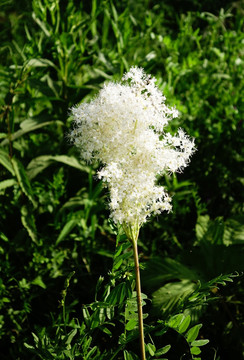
(123, 128)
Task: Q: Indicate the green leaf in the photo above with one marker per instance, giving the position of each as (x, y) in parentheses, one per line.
(192, 334)
(91, 352)
(184, 325)
(7, 183)
(107, 331)
(195, 350)
(5, 161)
(151, 349)
(71, 336)
(68, 227)
(38, 281)
(3, 237)
(199, 342)
(159, 270)
(175, 321)
(129, 355)
(28, 222)
(234, 230)
(29, 125)
(39, 63)
(40, 163)
(162, 350)
(23, 180)
(132, 323)
(119, 259)
(171, 297)
(29, 346)
(118, 294)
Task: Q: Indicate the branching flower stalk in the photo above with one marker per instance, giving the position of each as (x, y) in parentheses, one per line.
(123, 128)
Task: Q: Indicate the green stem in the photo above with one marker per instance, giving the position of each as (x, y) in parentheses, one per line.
(139, 300)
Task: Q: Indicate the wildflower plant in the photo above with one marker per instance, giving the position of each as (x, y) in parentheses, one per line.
(123, 128)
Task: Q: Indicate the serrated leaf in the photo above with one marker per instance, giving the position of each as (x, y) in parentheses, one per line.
(28, 222)
(192, 334)
(5, 161)
(23, 180)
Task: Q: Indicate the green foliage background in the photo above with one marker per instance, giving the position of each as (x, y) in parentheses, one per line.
(55, 236)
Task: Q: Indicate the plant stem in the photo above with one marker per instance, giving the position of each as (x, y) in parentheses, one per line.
(139, 300)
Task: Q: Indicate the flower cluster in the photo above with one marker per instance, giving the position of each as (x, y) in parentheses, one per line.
(123, 128)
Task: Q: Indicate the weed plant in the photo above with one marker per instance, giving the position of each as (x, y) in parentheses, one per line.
(67, 288)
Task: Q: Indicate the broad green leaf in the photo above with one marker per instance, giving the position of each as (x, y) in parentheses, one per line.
(170, 298)
(132, 323)
(163, 350)
(199, 342)
(192, 334)
(23, 180)
(176, 320)
(40, 163)
(28, 126)
(159, 270)
(7, 183)
(184, 325)
(195, 350)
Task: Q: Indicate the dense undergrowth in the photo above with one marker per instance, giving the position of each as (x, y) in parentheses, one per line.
(65, 275)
